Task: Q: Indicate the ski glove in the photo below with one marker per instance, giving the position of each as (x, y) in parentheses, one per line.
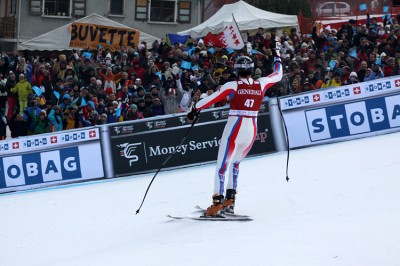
(193, 114)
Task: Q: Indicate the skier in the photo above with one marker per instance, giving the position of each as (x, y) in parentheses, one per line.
(246, 97)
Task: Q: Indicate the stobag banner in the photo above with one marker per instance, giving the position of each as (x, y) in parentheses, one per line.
(90, 36)
(140, 147)
(343, 113)
(22, 171)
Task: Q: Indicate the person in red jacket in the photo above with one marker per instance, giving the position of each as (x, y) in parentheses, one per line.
(246, 96)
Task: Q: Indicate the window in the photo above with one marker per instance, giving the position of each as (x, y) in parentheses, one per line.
(57, 8)
(116, 7)
(141, 10)
(184, 13)
(162, 11)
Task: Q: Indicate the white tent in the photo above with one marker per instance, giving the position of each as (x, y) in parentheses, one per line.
(247, 17)
(59, 38)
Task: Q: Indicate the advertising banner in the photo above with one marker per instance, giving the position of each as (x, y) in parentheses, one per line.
(343, 93)
(48, 141)
(140, 147)
(23, 171)
(91, 36)
(343, 113)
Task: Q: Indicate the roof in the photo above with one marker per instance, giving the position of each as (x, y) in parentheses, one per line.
(247, 17)
(58, 39)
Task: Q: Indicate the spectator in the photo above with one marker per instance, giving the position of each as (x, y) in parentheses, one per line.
(12, 98)
(56, 119)
(353, 78)
(3, 124)
(132, 113)
(172, 99)
(42, 123)
(23, 89)
(109, 80)
(18, 126)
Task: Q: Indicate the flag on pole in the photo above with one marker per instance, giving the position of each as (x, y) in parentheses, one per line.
(230, 37)
(363, 7)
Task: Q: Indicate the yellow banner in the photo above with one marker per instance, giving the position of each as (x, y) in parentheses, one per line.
(90, 35)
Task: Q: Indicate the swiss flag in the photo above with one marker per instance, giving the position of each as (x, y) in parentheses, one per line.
(212, 40)
(316, 98)
(53, 139)
(357, 90)
(92, 133)
(15, 145)
(397, 82)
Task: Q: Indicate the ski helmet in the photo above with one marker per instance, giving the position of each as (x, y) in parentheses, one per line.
(244, 65)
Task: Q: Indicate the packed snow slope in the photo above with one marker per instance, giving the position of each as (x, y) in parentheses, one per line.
(340, 207)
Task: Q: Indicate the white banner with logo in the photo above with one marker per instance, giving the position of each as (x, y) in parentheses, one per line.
(42, 161)
(342, 113)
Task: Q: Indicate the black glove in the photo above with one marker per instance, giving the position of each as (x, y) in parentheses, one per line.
(193, 114)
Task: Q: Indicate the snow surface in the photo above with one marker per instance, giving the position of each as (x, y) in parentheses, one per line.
(340, 207)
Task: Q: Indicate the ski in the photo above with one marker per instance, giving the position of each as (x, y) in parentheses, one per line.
(204, 218)
(226, 213)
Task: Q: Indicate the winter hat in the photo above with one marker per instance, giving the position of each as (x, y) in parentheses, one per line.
(133, 106)
(104, 115)
(43, 112)
(353, 74)
(171, 91)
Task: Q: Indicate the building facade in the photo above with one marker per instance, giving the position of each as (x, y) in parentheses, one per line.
(36, 17)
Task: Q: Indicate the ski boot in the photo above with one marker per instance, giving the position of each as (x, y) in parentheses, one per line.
(215, 210)
(229, 203)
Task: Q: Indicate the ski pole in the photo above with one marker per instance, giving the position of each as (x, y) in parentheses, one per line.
(287, 136)
(166, 160)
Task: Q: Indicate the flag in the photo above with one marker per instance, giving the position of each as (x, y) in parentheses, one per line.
(332, 64)
(378, 61)
(386, 9)
(92, 104)
(57, 94)
(254, 51)
(363, 7)
(118, 112)
(229, 50)
(87, 55)
(176, 38)
(83, 102)
(159, 74)
(231, 37)
(37, 90)
(353, 53)
(212, 40)
(186, 64)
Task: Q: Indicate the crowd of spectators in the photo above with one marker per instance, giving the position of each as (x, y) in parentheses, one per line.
(77, 89)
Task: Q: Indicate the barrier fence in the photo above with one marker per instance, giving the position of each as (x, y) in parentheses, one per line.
(141, 146)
